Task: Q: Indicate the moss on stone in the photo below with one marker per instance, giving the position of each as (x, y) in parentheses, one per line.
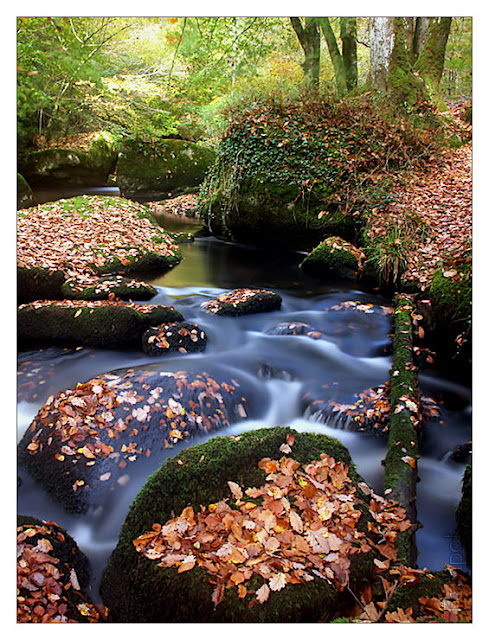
(451, 297)
(333, 256)
(132, 585)
(108, 325)
(168, 166)
(25, 197)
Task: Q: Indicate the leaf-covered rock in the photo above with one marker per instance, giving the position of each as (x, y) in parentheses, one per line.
(52, 575)
(267, 526)
(183, 337)
(334, 256)
(242, 301)
(84, 442)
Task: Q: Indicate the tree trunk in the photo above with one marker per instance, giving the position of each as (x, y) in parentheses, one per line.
(348, 34)
(334, 52)
(431, 60)
(420, 31)
(381, 46)
(310, 42)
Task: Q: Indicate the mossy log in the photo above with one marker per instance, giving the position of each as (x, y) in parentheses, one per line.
(401, 473)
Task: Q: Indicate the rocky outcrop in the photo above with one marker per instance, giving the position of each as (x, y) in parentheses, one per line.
(71, 166)
(268, 526)
(163, 168)
(334, 256)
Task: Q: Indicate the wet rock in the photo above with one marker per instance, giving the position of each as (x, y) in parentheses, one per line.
(295, 329)
(463, 453)
(242, 301)
(83, 442)
(25, 197)
(183, 337)
(52, 575)
(272, 372)
(107, 324)
(132, 583)
(463, 515)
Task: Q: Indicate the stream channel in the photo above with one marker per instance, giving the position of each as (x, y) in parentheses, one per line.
(351, 356)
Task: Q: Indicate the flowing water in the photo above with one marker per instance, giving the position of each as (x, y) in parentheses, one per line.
(351, 355)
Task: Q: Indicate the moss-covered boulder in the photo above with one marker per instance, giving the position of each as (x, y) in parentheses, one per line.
(464, 515)
(291, 172)
(334, 256)
(284, 515)
(25, 197)
(183, 337)
(72, 165)
(85, 443)
(52, 575)
(161, 168)
(243, 301)
(107, 324)
(87, 236)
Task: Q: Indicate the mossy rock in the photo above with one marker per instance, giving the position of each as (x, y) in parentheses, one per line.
(451, 295)
(334, 256)
(108, 287)
(167, 167)
(463, 515)
(89, 235)
(48, 555)
(183, 337)
(132, 585)
(85, 443)
(263, 211)
(25, 197)
(71, 166)
(243, 301)
(106, 324)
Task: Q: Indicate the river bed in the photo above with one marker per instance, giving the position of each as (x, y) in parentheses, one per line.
(351, 355)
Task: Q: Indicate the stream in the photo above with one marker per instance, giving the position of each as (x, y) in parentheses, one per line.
(352, 355)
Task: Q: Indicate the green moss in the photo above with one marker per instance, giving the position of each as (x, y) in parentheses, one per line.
(333, 256)
(451, 299)
(38, 283)
(109, 326)
(402, 447)
(132, 586)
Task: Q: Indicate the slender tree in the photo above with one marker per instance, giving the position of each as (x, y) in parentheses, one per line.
(431, 59)
(310, 41)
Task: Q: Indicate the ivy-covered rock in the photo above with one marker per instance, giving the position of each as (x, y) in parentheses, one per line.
(161, 168)
(86, 442)
(133, 582)
(78, 238)
(183, 337)
(107, 324)
(52, 575)
(334, 256)
(291, 172)
(71, 166)
(243, 301)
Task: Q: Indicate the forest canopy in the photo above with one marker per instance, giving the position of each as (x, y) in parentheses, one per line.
(174, 76)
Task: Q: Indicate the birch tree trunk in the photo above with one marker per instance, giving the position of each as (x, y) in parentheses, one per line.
(381, 47)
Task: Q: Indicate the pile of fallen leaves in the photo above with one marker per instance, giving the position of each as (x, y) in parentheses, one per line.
(441, 197)
(239, 300)
(73, 239)
(301, 525)
(362, 307)
(80, 305)
(45, 585)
